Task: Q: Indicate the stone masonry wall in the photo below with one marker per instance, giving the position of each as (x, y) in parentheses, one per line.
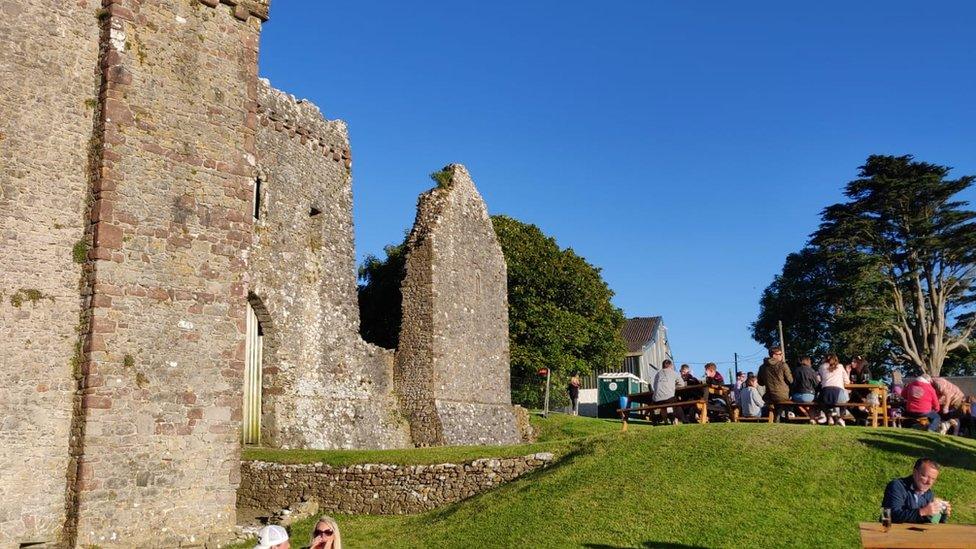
(323, 386)
(48, 86)
(376, 489)
(162, 400)
(452, 365)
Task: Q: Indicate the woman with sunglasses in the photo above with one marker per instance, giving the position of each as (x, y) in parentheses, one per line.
(325, 535)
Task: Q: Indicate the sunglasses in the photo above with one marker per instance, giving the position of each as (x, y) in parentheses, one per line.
(327, 532)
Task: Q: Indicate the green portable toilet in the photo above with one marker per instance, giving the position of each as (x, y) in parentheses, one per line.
(610, 387)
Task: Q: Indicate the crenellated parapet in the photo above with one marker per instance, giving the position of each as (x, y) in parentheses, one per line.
(243, 9)
(302, 120)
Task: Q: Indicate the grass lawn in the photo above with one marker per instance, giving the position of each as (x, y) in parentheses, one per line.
(716, 485)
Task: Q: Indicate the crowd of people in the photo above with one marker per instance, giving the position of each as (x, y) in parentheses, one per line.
(820, 395)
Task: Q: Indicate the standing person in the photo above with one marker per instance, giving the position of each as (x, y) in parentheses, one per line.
(804, 386)
(325, 535)
(665, 382)
(911, 499)
(833, 378)
(951, 399)
(273, 536)
(573, 389)
(921, 401)
(775, 375)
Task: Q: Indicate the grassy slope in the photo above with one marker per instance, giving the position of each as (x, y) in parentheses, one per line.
(713, 485)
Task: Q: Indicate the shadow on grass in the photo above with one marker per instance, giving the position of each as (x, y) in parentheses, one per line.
(646, 545)
(944, 449)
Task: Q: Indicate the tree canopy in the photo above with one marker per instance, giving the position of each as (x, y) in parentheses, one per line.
(890, 271)
(560, 314)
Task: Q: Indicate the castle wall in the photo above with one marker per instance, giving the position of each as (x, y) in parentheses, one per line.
(162, 401)
(452, 365)
(323, 386)
(48, 87)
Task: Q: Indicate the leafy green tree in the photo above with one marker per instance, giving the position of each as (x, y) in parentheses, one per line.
(560, 314)
(903, 217)
(827, 304)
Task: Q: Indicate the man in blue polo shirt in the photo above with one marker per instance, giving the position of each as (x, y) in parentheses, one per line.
(911, 499)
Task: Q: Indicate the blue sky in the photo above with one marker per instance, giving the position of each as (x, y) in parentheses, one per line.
(683, 147)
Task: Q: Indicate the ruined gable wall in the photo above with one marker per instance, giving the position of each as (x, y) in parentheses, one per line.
(163, 379)
(323, 386)
(453, 359)
(48, 85)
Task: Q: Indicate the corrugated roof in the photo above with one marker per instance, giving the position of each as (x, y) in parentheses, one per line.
(637, 331)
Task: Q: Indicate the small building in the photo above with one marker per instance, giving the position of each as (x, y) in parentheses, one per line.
(646, 338)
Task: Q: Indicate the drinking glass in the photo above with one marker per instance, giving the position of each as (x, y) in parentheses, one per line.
(886, 518)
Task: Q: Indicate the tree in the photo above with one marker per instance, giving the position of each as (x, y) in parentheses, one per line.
(559, 310)
(827, 304)
(904, 218)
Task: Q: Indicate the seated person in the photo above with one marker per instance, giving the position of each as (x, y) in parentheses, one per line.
(911, 500)
(951, 400)
(687, 376)
(860, 374)
(665, 382)
(712, 375)
(921, 401)
(750, 403)
(804, 386)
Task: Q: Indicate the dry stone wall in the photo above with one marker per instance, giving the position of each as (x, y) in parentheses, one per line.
(452, 365)
(324, 387)
(376, 489)
(48, 87)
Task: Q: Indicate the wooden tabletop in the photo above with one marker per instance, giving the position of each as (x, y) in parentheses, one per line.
(948, 536)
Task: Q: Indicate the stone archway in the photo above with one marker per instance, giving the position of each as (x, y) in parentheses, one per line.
(257, 323)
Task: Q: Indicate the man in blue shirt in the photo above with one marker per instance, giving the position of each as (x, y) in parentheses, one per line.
(911, 499)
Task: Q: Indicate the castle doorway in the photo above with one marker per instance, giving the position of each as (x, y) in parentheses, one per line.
(253, 355)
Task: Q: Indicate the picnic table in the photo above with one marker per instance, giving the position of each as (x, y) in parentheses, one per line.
(949, 536)
(881, 408)
(688, 395)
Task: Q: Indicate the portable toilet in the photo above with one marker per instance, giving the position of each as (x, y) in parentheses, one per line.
(610, 387)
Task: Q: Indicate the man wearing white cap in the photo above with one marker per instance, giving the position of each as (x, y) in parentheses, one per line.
(272, 537)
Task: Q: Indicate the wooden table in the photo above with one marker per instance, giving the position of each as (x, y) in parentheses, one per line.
(882, 392)
(701, 404)
(949, 536)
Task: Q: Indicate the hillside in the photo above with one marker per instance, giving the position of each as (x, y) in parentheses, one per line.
(717, 485)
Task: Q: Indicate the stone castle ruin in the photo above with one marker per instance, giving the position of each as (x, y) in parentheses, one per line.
(177, 275)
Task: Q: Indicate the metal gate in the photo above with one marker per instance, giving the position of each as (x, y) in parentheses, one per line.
(253, 348)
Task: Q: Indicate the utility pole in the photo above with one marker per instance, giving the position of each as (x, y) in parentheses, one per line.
(782, 344)
(736, 360)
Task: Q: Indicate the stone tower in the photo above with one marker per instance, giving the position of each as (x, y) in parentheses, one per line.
(134, 153)
(452, 364)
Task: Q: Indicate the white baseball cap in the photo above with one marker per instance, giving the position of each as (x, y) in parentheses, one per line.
(271, 535)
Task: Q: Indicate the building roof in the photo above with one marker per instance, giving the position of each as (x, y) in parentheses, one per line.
(638, 331)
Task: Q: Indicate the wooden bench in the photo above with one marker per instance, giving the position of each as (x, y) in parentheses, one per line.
(646, 409)
(737, 416)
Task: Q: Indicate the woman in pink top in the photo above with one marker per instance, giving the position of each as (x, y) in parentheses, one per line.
(833, 377)
(921, 401)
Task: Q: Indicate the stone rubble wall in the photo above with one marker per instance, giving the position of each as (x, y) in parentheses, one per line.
(48, 90)
(452, 365)
(377, 489)
(160, 460)
(324, 387)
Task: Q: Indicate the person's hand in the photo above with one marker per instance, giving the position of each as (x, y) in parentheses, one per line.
(931, 508)
(948, 510)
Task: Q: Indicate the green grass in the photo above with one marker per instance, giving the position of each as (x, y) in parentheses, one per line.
(558, 434)
(717, 485)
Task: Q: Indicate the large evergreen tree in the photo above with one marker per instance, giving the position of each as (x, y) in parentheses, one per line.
(559, 309)
(901, 254)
